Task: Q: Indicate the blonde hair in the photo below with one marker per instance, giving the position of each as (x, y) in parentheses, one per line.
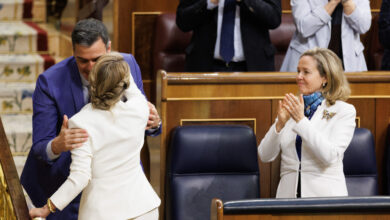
(330, 66)
(108, 80)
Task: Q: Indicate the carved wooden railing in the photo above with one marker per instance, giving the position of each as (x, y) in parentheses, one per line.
(13, 204)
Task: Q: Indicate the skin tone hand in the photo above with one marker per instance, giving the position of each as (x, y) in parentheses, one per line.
(154, 118)
(349, 6)
(332, 4)
(214, 2)
(283, 117)
(68, 139)
(39, 212)
(294, 106)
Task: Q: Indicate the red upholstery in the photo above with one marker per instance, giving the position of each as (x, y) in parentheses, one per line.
(281, 37)
(169, 44)
(373, 49)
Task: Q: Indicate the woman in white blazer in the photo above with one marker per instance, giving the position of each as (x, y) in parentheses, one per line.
(313, 21)
(107, 167)
(313, 131)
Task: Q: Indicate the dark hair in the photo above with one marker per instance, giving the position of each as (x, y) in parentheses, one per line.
(88, 31)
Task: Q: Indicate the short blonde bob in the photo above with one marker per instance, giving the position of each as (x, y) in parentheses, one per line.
(329, 65)
(108, 80)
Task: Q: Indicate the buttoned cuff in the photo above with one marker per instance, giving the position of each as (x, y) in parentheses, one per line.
(50, 154)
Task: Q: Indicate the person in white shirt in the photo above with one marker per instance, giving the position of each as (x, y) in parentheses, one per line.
(312, 131)
(333, 24)
(107, 166)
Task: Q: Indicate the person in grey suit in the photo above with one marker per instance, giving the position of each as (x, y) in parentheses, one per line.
(332, 24)
(251, 21)
(107, 166)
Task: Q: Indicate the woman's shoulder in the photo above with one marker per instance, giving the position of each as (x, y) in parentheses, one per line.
(80, 119)
(342, 106)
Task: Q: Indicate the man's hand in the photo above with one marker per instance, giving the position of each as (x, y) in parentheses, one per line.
(215, 2)
(68, 139)
(154, 118)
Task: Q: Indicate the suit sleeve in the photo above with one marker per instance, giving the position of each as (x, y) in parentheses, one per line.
(384, 24)
(79, 177)
(307, 20)
(45, 119)
(269, 147)
(137, 77)
(191, 14)
(360, 19)
(266, 13)
(329, 150)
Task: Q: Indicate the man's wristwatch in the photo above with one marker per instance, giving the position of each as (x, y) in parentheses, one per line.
(158, 126)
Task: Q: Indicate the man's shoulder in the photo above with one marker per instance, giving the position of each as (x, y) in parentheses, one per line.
(128, 57)
(64, 66)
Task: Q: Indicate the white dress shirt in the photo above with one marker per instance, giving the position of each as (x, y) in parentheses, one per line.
(238, 50)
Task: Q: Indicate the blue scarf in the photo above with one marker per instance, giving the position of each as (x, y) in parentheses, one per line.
(312, 102)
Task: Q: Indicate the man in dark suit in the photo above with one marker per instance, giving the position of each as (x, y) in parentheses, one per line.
(61, 91)
(246, 27)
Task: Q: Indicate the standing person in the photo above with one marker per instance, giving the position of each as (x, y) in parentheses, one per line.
(384, 33)
(61, 91)
(229, 35)
(107, 167)
(313, 131)
(333, 24)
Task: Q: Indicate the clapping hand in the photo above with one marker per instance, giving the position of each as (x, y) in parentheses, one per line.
(294, 106)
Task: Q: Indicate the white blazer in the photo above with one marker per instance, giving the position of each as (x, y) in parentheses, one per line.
(107, 167)
(323, 144)
(313, 29)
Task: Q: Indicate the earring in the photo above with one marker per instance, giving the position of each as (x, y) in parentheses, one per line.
(323, 85)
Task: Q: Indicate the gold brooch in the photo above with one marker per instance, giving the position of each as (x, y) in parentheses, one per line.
(328, 115)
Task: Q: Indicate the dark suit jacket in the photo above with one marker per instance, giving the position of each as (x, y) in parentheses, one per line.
(384, 33)
(257, 17)
(58, 92)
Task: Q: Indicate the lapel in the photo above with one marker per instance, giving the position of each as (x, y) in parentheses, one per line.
(76, 87)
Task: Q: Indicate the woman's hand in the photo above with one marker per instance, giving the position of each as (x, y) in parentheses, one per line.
(39, 212)
(283, 117)
(331, 5)
(348, 6)
(294, 106)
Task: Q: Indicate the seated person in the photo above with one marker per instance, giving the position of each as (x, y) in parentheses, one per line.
(107, 166)
(312, 131)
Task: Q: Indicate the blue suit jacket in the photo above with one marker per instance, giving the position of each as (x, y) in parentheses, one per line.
(58, 92)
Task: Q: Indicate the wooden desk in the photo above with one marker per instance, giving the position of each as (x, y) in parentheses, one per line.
(337, 208)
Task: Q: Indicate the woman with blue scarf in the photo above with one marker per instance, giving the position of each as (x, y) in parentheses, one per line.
(312, 131)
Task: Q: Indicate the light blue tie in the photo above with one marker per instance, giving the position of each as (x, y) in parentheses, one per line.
(227, 31)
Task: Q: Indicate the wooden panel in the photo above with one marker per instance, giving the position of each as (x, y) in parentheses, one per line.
(143, 24)
(123, 10)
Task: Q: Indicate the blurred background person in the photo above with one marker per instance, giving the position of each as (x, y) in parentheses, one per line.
(107, 167)
(312, 131)
(384, 33)
(333, 24)
(229, 35)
